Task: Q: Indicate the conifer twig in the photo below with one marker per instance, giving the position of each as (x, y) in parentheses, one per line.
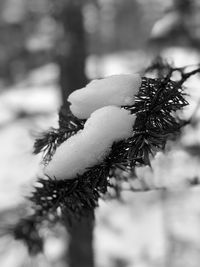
(156, 122)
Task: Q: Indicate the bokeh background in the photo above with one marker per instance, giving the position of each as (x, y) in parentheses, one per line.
(49, 48)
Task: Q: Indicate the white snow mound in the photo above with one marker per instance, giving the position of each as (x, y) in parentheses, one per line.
(117, 90)
(92, 144)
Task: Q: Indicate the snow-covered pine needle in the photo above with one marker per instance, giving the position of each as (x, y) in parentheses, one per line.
(154, 106)
(51, 139)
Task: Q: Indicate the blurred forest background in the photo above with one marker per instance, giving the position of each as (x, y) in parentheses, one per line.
(49, 48)
(32, 31)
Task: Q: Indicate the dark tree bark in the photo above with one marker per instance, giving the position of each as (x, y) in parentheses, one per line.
(80, 251)
(71, 46)
(70, 56)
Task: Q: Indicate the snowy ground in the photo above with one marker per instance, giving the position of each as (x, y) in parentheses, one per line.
(157, 228)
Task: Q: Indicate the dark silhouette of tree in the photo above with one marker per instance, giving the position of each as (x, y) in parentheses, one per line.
(70, 55)
(70, 51)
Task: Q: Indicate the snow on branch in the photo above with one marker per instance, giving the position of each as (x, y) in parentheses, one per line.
(150, 120)
(117, 90)
(50, 140)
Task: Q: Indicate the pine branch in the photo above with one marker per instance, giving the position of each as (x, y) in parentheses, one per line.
(156, 121)
(50, 140)
(161, 68)
(74, 198)
(187, 75)
(78, 194)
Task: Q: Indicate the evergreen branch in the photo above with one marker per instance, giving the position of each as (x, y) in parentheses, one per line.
(156, 121)
(155, 106)
(162, 68)
(74, 198)
(187, 75)
(50, 140)
(78, 194)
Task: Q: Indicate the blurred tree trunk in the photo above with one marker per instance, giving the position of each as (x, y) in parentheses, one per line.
(71, 46)
(80, 250)
(71, 56)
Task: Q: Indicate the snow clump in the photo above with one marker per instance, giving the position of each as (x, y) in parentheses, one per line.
(117, 90)
(92, 144)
